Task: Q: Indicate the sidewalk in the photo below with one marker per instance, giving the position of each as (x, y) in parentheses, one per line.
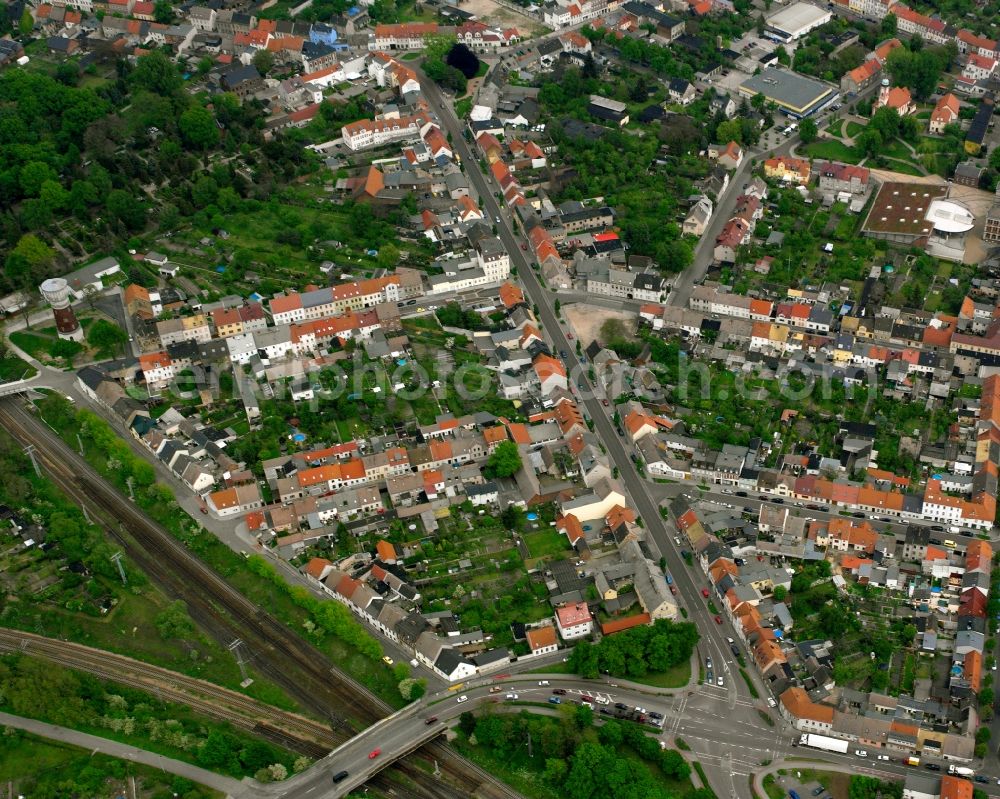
(227, 785)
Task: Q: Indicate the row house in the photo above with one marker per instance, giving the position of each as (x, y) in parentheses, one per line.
(969, 42)
(327, 302)
(402, 36)
(930, 29)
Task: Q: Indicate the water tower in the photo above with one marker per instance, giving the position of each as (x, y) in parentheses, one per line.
(55, 290)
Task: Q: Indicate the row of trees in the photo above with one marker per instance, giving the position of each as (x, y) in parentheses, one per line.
(572, 762)
(51, 693)
(636, 652)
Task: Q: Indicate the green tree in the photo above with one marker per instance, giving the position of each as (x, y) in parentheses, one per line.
(157, 74)
(807, 130)
(504, 461)
(106, 336)
(583, 716)
(127, 209)
(33, 175)
(173, 621)
(35, 252)
(779, 593)
(730, 130)
(27, 22)
(264, 61)
(198, 128)
(555, 771)
(163, 12)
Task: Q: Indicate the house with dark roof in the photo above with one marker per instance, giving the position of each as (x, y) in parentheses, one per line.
(243, 81)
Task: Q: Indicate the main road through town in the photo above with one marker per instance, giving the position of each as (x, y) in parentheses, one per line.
(713, 635)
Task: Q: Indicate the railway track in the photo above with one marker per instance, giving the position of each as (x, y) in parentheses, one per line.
(296, 732)
(226, 614)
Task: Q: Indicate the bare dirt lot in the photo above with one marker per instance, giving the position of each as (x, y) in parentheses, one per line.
(504, 17)
(586, 320)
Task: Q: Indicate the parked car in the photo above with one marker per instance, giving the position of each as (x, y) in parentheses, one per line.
(718, 619)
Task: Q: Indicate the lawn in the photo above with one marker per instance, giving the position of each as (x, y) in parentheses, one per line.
(546, 544)
(833, 150)
(676, 677)
(904, 167)
(13, 368)
(854, 129)
(896, 149)
(463, 107)
(834, 128)
(37, 346)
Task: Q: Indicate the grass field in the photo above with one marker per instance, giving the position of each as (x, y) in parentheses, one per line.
(834, 150)
(677, 677)
(834, 128)
(13, 368)
(906, 167)
(854, 129)
(546, 544)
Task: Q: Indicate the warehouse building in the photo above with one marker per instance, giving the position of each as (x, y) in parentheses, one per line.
(795, 22)
(795, 94)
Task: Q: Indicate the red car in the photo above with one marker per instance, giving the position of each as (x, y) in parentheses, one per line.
(673, 590)
(374, 753)
(431, 720)
(569, 336)
(704, 592)
(604, 402)
(718, 619)
(524, 246)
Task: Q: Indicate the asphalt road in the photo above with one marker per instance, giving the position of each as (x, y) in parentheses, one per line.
(713, 636)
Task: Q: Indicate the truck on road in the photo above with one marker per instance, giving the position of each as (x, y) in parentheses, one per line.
(824, 742)
(961, 771)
